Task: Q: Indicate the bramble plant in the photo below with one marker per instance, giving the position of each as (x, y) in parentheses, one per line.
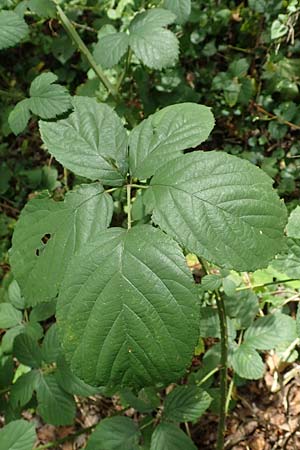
(129, 315)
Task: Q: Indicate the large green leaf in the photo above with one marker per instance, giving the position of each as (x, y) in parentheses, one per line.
(220, 207)
(155, 46)
(47, 235)
(127, 312)
(110, 48)
(27, 350)
(91, 142)
(165, 134)
(269, 331)
(170, 437)
(181, 8)
(13, 29)
(17, 435)
(186, 403)
(54, 405)
(247, 363)
(293, 226)
(51, 345)
(48, 100)
(115, 433)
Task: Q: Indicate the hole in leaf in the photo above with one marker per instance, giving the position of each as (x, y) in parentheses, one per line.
(46, 238)
(37, 252)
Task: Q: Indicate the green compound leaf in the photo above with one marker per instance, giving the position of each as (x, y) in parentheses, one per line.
(289, 261)
(293, 226)
(269, 331)
(27, 351)
(110, 48)
(247, 363)
(127, 312)
(51, 345)
(186, 403)
(91, 142)
(48, 100)
(22, 390)
(219, 207)
(47, 235)
(164, 135)
(155, 46)
(9, 316)
(181, 8)
(17, 435)
(13, 29)
(56, 406)
(114, 434)
(19, 116)
(170, 437)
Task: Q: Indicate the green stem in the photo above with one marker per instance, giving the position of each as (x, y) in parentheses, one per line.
(54, 444)
(223, 371)
(70, 29)
(139, 186)
(123, 74)
(288, 280)
(128, 206)
(207, 376)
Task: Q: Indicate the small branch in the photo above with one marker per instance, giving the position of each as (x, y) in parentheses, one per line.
(128, 206)
(223, 371)
(70, 29)
(54, 444)
(273, 116)
(207, 376)
(123, 74)
(255, 286)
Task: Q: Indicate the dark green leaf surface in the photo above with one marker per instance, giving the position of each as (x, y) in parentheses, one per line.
(13, 29)
(127, 312)
(219, 207)
(164, 135)
(116, 433)
(17, 435)
(56, 406)
(22, 390)
(181, 8)
(155, 46)
(39, 266)
(170, 437)
(289, 261)
(91, 142)
(27, 350)
(186, 403)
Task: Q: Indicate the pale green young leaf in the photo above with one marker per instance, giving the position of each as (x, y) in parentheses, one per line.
(47, 235)
(181, 8)
(14, 295)
(186, 403)
(13, 29)
(269, 331)
(48, 99)
(114, 434)
(17, 435)
(110, 48)
(91, 142)
(293, 226)
(19, 116)
(154, 45)
(9, 316)
(22, 390)
(127, 312)
(27, 351)
(170, 437)
(165, 134)
(220, 207)
(247, 363)
(56, 406)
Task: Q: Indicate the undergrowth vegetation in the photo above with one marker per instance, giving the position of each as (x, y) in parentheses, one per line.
(150, 213)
